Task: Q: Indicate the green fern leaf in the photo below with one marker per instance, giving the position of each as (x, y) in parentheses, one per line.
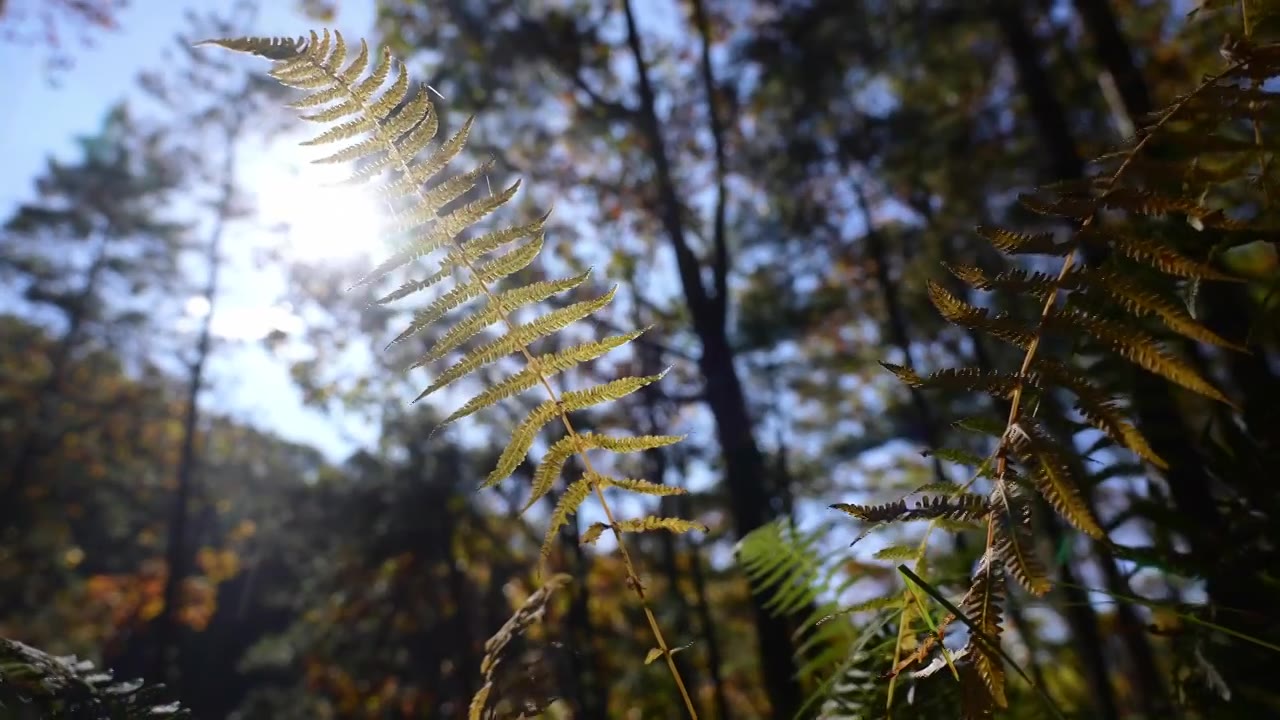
(897, 553)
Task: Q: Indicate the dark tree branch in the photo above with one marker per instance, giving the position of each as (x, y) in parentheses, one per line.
(720, 265)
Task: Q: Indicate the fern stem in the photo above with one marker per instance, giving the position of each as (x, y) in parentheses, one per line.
(633, 578)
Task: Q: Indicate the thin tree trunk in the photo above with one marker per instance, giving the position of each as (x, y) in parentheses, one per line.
(878, 255)
(744, 463)
(177, 555)
(1256, 384)
(38, 439)
(702, 608)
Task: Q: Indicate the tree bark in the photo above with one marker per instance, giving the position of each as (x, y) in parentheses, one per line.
(177, 553)
(749, 500)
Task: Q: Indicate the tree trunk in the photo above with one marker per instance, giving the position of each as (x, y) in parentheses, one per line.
(749, 501)
(178, 558)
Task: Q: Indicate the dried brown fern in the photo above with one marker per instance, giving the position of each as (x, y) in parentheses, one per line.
(1117, 304)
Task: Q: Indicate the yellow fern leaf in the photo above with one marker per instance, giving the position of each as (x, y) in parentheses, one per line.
(574, 495)
(552, 464)
(1052, 476)
(644, 524)
(543, 366)
(962, 313)
(1142, 302)
(386, 130)
(517, 337)
(1138, 347)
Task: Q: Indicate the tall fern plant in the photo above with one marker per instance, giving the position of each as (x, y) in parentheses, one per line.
(388, 129)
(1125, 281)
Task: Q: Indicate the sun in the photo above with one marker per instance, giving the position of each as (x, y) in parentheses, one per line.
(322, 219)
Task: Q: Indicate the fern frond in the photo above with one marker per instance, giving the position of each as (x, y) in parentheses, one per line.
(897, 553)
(644, 524)
(1051, 473)
(1154, 254)
(388, 130)
(1013, 543)
(998, 384)
(1108, 300)
(1017, 243)
(1035, 284)
(958, 506)
(1143, 301)
(1136, 346)
(520, 336)
(1098, 408)
(523, 436)
(832, 654)
(982, 605)
(271, 48)
(552, 464)
(963, 314)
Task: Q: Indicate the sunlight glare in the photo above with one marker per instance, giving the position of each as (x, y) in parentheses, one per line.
(197, 306)
(325, 221)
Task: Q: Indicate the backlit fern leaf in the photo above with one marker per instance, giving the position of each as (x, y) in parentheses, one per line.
(1013, 542)
(1050, 472)
(1134, 345)
(1153, 253)
(960, 506)
(645, 524)
(389, 130)
(1008, 241)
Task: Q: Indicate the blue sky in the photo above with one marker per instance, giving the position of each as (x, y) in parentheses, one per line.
(44, 117)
